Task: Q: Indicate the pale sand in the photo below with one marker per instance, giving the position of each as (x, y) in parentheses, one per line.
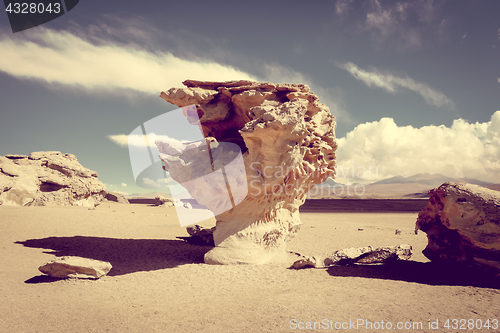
(159, 283)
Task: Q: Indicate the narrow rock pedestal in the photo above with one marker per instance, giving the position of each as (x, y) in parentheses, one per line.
(287, 141)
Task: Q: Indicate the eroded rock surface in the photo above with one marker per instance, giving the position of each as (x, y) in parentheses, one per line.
(46, 179)
(462, 222)
(116, 197)
(76, 267)
(202, 235)
(357, 255)
(288, 144)
(163, 201)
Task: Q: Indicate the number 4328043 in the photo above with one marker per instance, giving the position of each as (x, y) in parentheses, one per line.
(471, 324)
(33, 8)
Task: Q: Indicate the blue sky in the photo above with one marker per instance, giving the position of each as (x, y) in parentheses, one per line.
(414, 85)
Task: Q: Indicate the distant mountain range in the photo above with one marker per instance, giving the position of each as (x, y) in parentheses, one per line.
(435, 179)
(398, 187)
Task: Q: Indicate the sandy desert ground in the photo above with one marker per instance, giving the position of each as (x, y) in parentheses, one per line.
(159, 283)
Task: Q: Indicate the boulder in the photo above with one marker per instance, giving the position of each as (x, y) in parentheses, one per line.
(287, 141)
(462, 223)
(77, 267)
(116, 197)
(387, 254)
(201, 235)
(357, 255)
(163, 201)
(46, 179)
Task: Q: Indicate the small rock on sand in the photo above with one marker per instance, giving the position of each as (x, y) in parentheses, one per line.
(78, 267)
(356, 255)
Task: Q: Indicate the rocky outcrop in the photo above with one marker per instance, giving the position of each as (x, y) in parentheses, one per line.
(75, 267)
(116, 197)
(163, 201)
(285, 139)
(462, 222)
(46, 179)
(201, 235)
(357, 255)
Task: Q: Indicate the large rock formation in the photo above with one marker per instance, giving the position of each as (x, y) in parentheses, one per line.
(287, 141)
(47, 179)
(462, 222)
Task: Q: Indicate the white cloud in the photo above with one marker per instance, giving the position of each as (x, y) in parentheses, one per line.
(116, 191)
(124, 185)
(391, 83)
(58, 57)
(462, 150)
(279, 74)
(134, 140)
(151, 183)
(170, 183)
(82, 60)
(382, 20)
(342, 6)
(402, 24)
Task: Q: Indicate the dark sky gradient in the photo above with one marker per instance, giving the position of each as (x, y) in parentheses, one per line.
(452, 47)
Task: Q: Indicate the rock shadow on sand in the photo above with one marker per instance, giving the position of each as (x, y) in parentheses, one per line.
(426, 273)
(42, 279)
(125, 255)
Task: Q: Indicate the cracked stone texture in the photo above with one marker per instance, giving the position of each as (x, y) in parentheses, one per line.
(356, 255)
(288, 144)
(48, 179)
(462, 222)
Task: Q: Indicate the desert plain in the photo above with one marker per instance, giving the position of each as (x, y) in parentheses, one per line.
(159, 282)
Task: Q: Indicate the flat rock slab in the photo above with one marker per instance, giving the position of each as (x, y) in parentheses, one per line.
(78, 267)
(356, 255)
